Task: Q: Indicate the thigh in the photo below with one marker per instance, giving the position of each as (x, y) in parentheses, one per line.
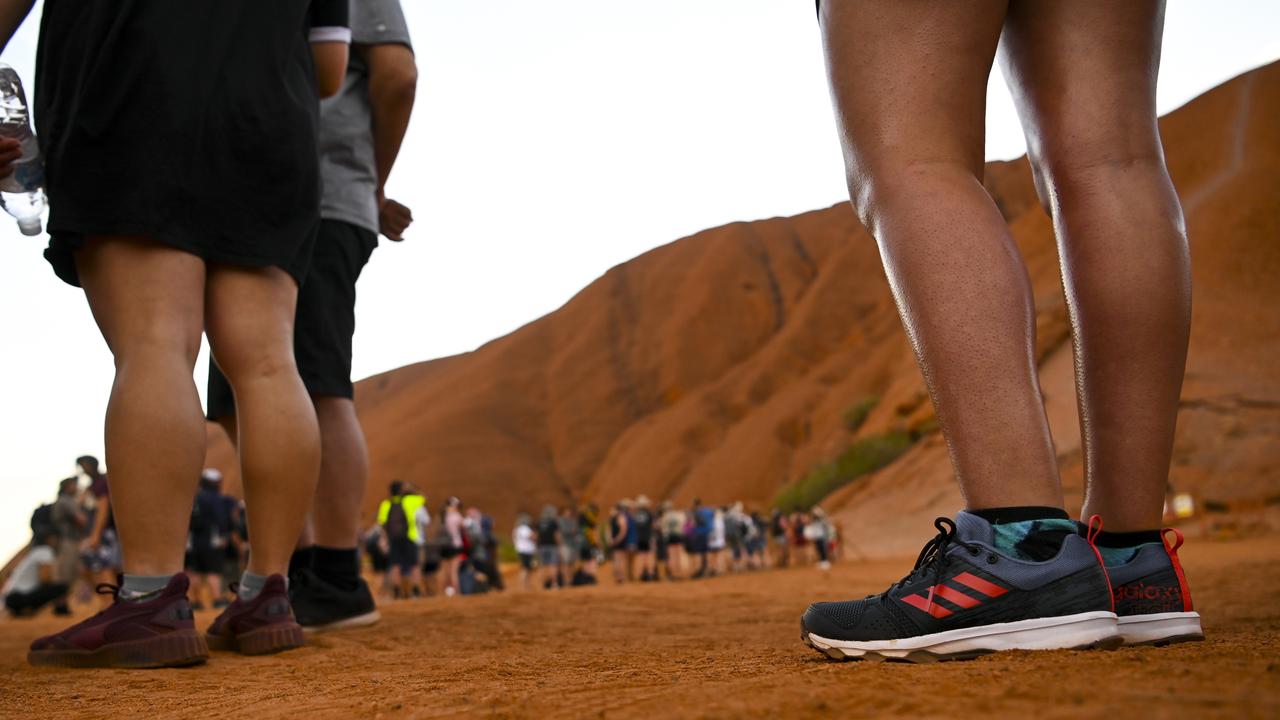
(143, 295)
(249, 316)
(1083, 76)
(909, 79)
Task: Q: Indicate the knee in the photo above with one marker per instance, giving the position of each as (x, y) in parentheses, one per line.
(1069, 170)
(245, 362)
(156, 346)
(882, 191)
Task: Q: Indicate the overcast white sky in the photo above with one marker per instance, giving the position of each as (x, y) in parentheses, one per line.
(550, 142)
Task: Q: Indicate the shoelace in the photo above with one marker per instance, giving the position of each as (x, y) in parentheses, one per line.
(933, 556)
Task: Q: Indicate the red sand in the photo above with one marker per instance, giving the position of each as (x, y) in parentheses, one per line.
(718, 648)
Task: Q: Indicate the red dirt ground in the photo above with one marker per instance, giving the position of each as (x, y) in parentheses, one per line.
(717, 648)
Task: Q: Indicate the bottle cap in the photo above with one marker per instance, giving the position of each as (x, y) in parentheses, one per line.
(30, 226)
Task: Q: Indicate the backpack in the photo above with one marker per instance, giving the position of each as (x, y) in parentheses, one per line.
(397, 524)
(42, 520)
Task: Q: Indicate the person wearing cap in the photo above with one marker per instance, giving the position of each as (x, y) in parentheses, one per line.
(210, 527)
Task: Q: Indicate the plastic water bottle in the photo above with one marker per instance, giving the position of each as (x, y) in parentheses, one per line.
(21, 193)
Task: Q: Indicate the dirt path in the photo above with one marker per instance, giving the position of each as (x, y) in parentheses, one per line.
(724, 647)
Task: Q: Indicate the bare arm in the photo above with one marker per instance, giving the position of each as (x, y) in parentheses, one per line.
(393, 83)
(12, 13)
(331, 65)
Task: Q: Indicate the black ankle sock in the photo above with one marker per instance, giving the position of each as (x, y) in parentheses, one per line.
(300, 560)
(1020, 514)
(339, 567)
(1127, 539)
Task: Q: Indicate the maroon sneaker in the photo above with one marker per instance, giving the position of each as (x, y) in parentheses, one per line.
(160, 632)
(259, 626)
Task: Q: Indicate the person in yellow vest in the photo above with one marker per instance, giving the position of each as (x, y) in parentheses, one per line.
(396, 517)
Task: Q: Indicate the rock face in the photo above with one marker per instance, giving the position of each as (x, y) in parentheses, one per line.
(724, 365)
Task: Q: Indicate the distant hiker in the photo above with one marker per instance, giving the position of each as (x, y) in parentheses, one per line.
(779, 539)
(588, 543)
(397, 516)
(210, 531)
(452, 547)
(568, 545)
(671, 552)
(644, 520)
(701, 520)
(819, 532)
(619, 549)
(70, 523)
(34, 582)
(100, 549)
(548, 536)
(526, 546)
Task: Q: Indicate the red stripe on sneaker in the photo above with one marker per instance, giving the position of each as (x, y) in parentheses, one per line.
(974, 582)
(1091, 534)
(956, 597)
(932, 608)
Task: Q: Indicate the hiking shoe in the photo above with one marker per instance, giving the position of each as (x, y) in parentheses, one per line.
(965, 598)
(1153, 604)
(259, 626)
(321, 606)
(158, 632)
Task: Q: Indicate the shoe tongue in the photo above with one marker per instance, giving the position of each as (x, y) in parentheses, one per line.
(971, 528)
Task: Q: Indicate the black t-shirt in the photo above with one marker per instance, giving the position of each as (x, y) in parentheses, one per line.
(548, 528)
(644, 524)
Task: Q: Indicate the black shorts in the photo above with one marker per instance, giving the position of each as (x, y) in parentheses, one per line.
(449, 552)
(526, 561)
(403, 555)
(207, 559)
(326, 317)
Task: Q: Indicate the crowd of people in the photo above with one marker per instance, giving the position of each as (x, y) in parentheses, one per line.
(648, 543)
(74, 547)
(456, 550)
(414, 552)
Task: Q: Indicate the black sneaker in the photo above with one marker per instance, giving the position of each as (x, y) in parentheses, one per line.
(1152, 600)
(966, 598)
(320, 606)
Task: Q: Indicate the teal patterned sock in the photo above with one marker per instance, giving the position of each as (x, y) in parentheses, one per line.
(1112, 556)
(1037, 540)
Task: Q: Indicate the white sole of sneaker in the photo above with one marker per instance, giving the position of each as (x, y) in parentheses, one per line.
(1160, 628)
(1079, 631)
(364, 620)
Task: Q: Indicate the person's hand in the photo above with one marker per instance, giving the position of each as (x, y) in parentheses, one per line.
(10, 152)
(393, 218)
(88, 544)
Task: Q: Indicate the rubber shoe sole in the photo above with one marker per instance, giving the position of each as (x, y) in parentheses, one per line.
(180, 648)
(263, 641)
(1160, 629)
(355, 621)
(1083, 631)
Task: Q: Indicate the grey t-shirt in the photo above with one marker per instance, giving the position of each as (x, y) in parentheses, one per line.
(348, 168)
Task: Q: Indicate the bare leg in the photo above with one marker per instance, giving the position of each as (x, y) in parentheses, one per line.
(1121, 237)
(344, 470)
(148, 300)
(909, 80)
(249, 320)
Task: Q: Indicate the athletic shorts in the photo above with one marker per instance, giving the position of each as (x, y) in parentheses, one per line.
(586, 553)
(403, 554)
(548, 555)
(449, 552)
(430, 567)
(326, 317)
(104, 557)
(207, 559)
(526, 561)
